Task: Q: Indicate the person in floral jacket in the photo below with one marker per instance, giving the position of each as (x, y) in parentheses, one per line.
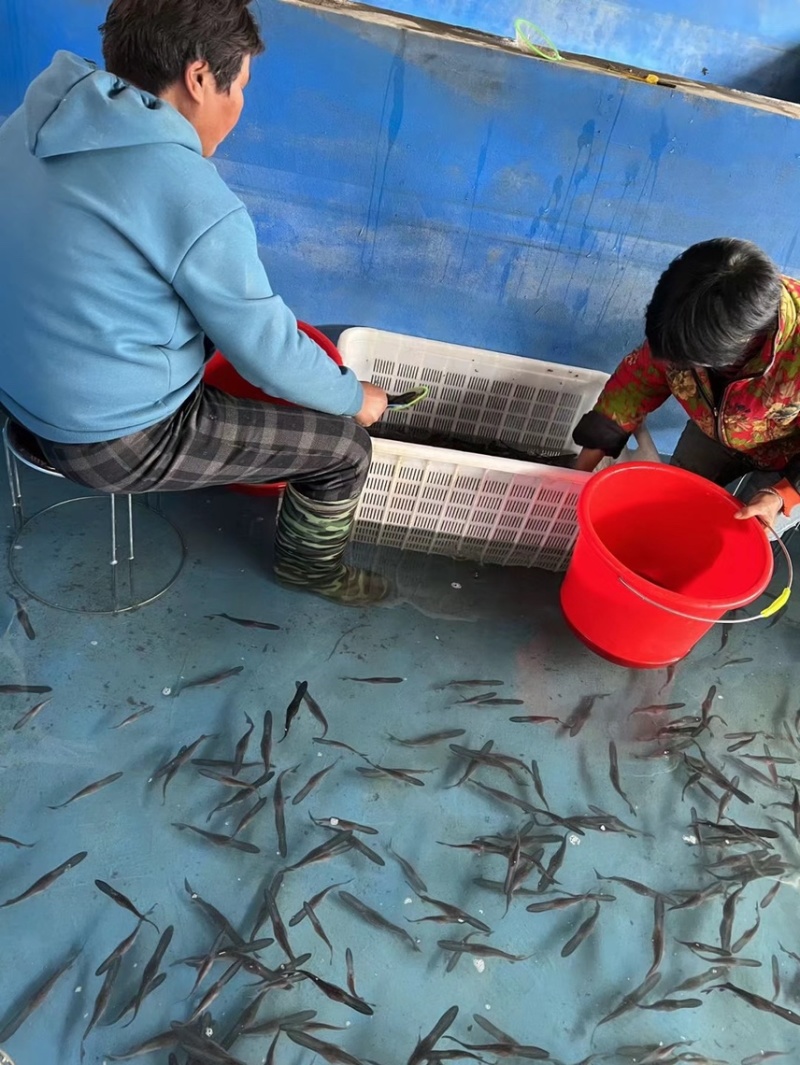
(723, 337)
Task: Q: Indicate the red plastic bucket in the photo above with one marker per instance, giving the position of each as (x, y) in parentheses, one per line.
(653, 539)
(220, 374)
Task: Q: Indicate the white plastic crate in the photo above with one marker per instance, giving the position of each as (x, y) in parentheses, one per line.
(465, 505)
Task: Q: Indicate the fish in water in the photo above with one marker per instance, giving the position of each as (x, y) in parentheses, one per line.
(103, 996)
(241, 747)
(570, 900)
(473, 683)
(757, 1002)
(29, 715)
(293, 707)
(150, 972)
(537, 783)
(413, 878)
(134, 717)
(501, 702)
(583, 933)
(280, 814)
(35, 1000)
(14, 842)
(311, 783)
(536, 719)
(246, 623)
(405, 775)
(632, 1000)
(580, 715)
(316, 924)
(426, 1044)
(46, 881)
(23, 619)
(351, 972)
(119, 951)
(266, 741)
(123, 901)
(90, 789)
(454, 913)
(278, 927)
(614, 775)
(220, 922)
(376, 680)
(340, 744)
(480, 950)
(342, 825)
(217, 839)
(669, 1005)
(338, 844)
(375, 919)
(250, 815)
(316, 710)
(337, 994)
(204, 682)
(24, 689)
(429, 738)
(328, 1051)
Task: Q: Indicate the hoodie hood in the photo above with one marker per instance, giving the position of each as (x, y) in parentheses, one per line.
(73, 107)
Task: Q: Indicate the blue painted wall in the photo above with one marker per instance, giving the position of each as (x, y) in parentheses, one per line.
(414, 182)
(752, 45)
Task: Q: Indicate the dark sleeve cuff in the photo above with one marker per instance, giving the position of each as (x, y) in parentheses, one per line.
(595, 430)
(792, 473)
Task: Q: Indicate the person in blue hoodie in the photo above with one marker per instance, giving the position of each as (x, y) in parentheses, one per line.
(127, 260)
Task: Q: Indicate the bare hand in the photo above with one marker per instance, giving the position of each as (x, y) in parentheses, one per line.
(763, 505)
(588, 459)
(374, 405)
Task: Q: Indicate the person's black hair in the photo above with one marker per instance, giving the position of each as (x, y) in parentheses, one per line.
(712, 303)
(149, 43)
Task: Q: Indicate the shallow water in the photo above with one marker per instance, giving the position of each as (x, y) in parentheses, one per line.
(455, 622)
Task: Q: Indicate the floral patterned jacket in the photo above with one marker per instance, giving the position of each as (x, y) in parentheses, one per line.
(758, 412)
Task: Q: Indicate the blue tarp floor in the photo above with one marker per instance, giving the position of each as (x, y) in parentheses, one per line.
(456, 622)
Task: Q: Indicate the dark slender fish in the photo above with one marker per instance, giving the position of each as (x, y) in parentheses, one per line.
(473, 764)
(293, 707)
(340, 744)
(338, 844)
(150, 973)
(103, 996)
(764, 1055)
(375, 919)
(776, 978)
(473, 683)
(757, 1002)
(735, 662)
(217, 839)
(242, 745)
(501, 702)
(728, 913)
(614, 775)
(536, 719)
(656, 708)
(207, 963)
(23, 619)
(35, 1000)
(429, 738)
(216, 990)
(669, 1005)
(393, 773)
(290, 1020)
(697, 981)
(770, 895)
(123, 901)
(278, 926)
(580, 715)
(537, 783)
(746, 936)
(24, 689)
(202, 682)
(332, 1054)
(570, 900)
(314, 901)
(311, 783)
(280, 812)
(494, 1032)
(29, 715)
(249, 816)
(316, 924)
(368, 852)
(119, 951)
(246, 623)
(316, 711)
(150, 1046)
(455, 913)
(220, 922)
(338, 994)
(634, 885)
(341, 824)
(631, 1000)
(134, 717)
(351, 972)
(658, 933)
(480, 950)
(583, 933)
(473, 700)
(266, 740)
(171, 767)
(414, 879)
(46, 881)
(376, 680)
(15, 843)
(90, 789)
(427, 1043)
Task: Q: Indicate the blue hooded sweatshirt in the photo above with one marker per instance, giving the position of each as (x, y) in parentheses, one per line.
(122, 249)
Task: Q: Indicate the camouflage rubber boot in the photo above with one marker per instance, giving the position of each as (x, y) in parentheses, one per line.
(310, 541)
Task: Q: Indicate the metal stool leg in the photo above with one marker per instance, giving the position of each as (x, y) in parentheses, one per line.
(132, 591)
(14, 487)
(114, 581)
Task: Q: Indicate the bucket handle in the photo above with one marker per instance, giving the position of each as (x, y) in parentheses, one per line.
(773, 608)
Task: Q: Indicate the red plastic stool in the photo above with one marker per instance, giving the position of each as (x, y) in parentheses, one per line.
(220, 374)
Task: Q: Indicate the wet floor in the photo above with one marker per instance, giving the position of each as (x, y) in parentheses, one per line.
(493, 846)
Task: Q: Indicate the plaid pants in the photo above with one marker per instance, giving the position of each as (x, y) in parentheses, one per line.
(217, 439)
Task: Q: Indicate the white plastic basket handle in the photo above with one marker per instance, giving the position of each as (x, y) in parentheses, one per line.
(773, 608)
